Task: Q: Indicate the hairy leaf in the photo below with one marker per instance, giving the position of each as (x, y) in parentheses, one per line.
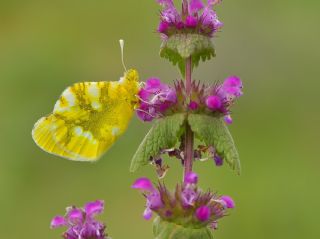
(169, 230)
(163, 135)
(179, 47)
(214, 132)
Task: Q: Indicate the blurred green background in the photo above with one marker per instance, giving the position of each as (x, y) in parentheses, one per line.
(272, 45)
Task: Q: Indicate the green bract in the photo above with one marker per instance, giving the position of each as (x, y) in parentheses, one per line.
(164, 134)
(177, 48)
(214, 132)
(168, 230)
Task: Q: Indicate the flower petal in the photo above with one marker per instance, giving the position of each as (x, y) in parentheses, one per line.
(147, 214)
(191, 178)
(191, 22)
(58, 221)
(203, 213)
(154, 200)
(94, 208)
(213, 102)
(228, 119)
(75, 215)
(195, 6)
(143, 184)
(228, 201)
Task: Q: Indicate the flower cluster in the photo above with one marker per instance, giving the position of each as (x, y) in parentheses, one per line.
(215, 100)
(81, 223)
(155, 99)
(195, 18)
(222, 97)
(188, 206)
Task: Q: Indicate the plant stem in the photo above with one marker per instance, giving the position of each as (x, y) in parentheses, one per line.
(184, 9)
(188, 137)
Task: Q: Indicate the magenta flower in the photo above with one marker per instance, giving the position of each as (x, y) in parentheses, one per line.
(218, 160)
(220, 98)
(151, 194)
(155, 99)
(231, 88)
(191, 178)
(195, 6)
(187, 204)
(202, 18)
(203, 213)
(193, 105)
(228, 119)
(143, 184)
(228, 201)
(81, 223)
(214, 102)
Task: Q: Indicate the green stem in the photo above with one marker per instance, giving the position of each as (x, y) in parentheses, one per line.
(189, 136)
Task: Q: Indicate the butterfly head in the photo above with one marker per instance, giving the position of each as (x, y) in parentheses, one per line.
(130, 82)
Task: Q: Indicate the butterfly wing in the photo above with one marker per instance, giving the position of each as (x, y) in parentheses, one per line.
(87, 119)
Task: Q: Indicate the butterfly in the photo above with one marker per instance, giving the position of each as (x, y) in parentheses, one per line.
(88, 118)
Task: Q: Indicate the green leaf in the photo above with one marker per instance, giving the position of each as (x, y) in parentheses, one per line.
(169, 230)
(163, 135)
(177, 48)
(214, 132)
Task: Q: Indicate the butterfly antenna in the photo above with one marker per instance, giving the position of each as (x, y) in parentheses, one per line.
(122, 54)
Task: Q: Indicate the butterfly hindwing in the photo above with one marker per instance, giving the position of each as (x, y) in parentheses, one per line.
(86, 120)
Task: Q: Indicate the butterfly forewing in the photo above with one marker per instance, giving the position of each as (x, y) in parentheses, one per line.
(86, 120)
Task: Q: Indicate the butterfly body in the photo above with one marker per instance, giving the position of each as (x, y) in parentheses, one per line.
(88, 118)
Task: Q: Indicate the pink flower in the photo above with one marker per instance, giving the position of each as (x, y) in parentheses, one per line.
(203, 213)
(81, 222)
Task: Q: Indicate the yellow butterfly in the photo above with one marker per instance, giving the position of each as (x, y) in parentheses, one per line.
(88, 118)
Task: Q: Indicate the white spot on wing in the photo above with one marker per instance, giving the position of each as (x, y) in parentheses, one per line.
(94, 90)
(115, 131)
(86, 134)
(122, 79)
(78, 130)
(96, 105)
(69, 96)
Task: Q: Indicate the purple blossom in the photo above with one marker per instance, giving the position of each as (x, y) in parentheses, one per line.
(188, 204)
(195, 6)
(153, 197)
(193, 105)
(163, 26)
(203, 213)
(231, 88)
(58, 221)
(188, 195)
(154, 200)
(218, 160)
(191, 178)
(94, 208)
(214, 102)
(202, 18)
(228, 119)
(81, 222)
(191, 22)
(228, 201)
(143, 184)
(147, 214)
(220, 98)
(155, 98)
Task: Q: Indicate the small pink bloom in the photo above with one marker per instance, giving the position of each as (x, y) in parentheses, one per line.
(143, 184)
(191, 178)
(193, 105)
(214, 102)
(191, 22)
(228, 201)
(203, 213)
(58, 221)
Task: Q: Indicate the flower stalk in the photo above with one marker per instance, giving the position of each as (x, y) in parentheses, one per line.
(188, 137)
